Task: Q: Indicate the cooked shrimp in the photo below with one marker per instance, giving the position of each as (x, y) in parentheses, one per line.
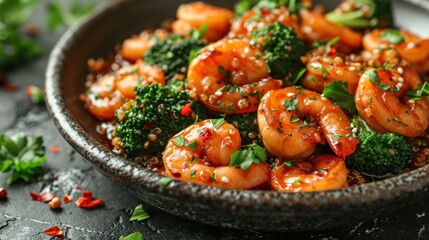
(390, 110)
(207, 163)
(323, 172)
(413, 48)
(254, 19)
(133, 49)
(284, 132)
(128, 78)
(197, 14)
(230, 76)
(323, 70)
(102, 99)
(316, 27)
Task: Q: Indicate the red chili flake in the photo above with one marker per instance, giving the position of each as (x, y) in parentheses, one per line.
(86, 200)
(332, 51)
(43, 197)
(205, 134)
(54, 231)
(3, 193)
(186, 110)
(78, 187)
(2, 77)
(55, 149)
(10, 87)
(67, 198)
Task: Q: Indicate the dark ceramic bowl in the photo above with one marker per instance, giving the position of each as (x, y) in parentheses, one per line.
(253, 210)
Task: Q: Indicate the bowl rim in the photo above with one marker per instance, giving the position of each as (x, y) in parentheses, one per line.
(383, 190)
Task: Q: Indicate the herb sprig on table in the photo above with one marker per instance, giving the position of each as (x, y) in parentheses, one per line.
(21, 155)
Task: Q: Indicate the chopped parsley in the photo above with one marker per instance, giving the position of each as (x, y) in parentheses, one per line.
(289, 164)
(417, 94)
(244, 158)
(218, 122)
(193, 145)
(139, 214)
(392, 35)
(338, 93)
(291, 104)
(165, 181)
(179, 141)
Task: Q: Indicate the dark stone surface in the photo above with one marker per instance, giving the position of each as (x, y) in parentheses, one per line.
(22, 218)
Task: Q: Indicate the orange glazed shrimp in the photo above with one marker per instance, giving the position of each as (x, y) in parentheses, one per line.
(389, 110)
(193, 16)
(316, 27)
(323, 172)
(132, 49)
(323, 70)
(207, 161)
(128, 78)
(410, 47)
(255, 18)
(102, 99)
(230, 76)
(286, 135)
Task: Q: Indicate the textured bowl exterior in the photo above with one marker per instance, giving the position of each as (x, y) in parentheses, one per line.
(251, 209)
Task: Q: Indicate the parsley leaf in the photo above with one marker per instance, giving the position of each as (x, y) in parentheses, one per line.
(193, 145)
(373, 76)
(165, 181)
(132, 236)
(179, 141)
(218, 122)
(417, 94)
(291, 104)
(289, 163)
(198, 34)
(392, 35)
(22, 155)
(139, 214)
(337, 91)
(244, 158)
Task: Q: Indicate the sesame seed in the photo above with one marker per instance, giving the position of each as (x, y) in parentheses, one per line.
(411, 45)
(224, 179)
(324, 98)
(354, 130)
(400, 79)
(400, 70)
(411, 101)
(290, 94)
(375, 51)
(218, 93)
(352, 69)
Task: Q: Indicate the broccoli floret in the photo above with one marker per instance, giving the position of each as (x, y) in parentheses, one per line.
(362, 14)
(247, 125)
(148, 122)
(172, 54)
(378, 155)
(282, 50)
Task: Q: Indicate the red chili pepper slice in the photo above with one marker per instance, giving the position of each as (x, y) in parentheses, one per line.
(54, 231)
(186, 110)
(67, 198)
(84, 202)
(43, 197)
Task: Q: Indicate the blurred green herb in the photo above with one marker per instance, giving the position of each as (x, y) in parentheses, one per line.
(60, 15)
(22, 155)
(132, 236)
(15, 47)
